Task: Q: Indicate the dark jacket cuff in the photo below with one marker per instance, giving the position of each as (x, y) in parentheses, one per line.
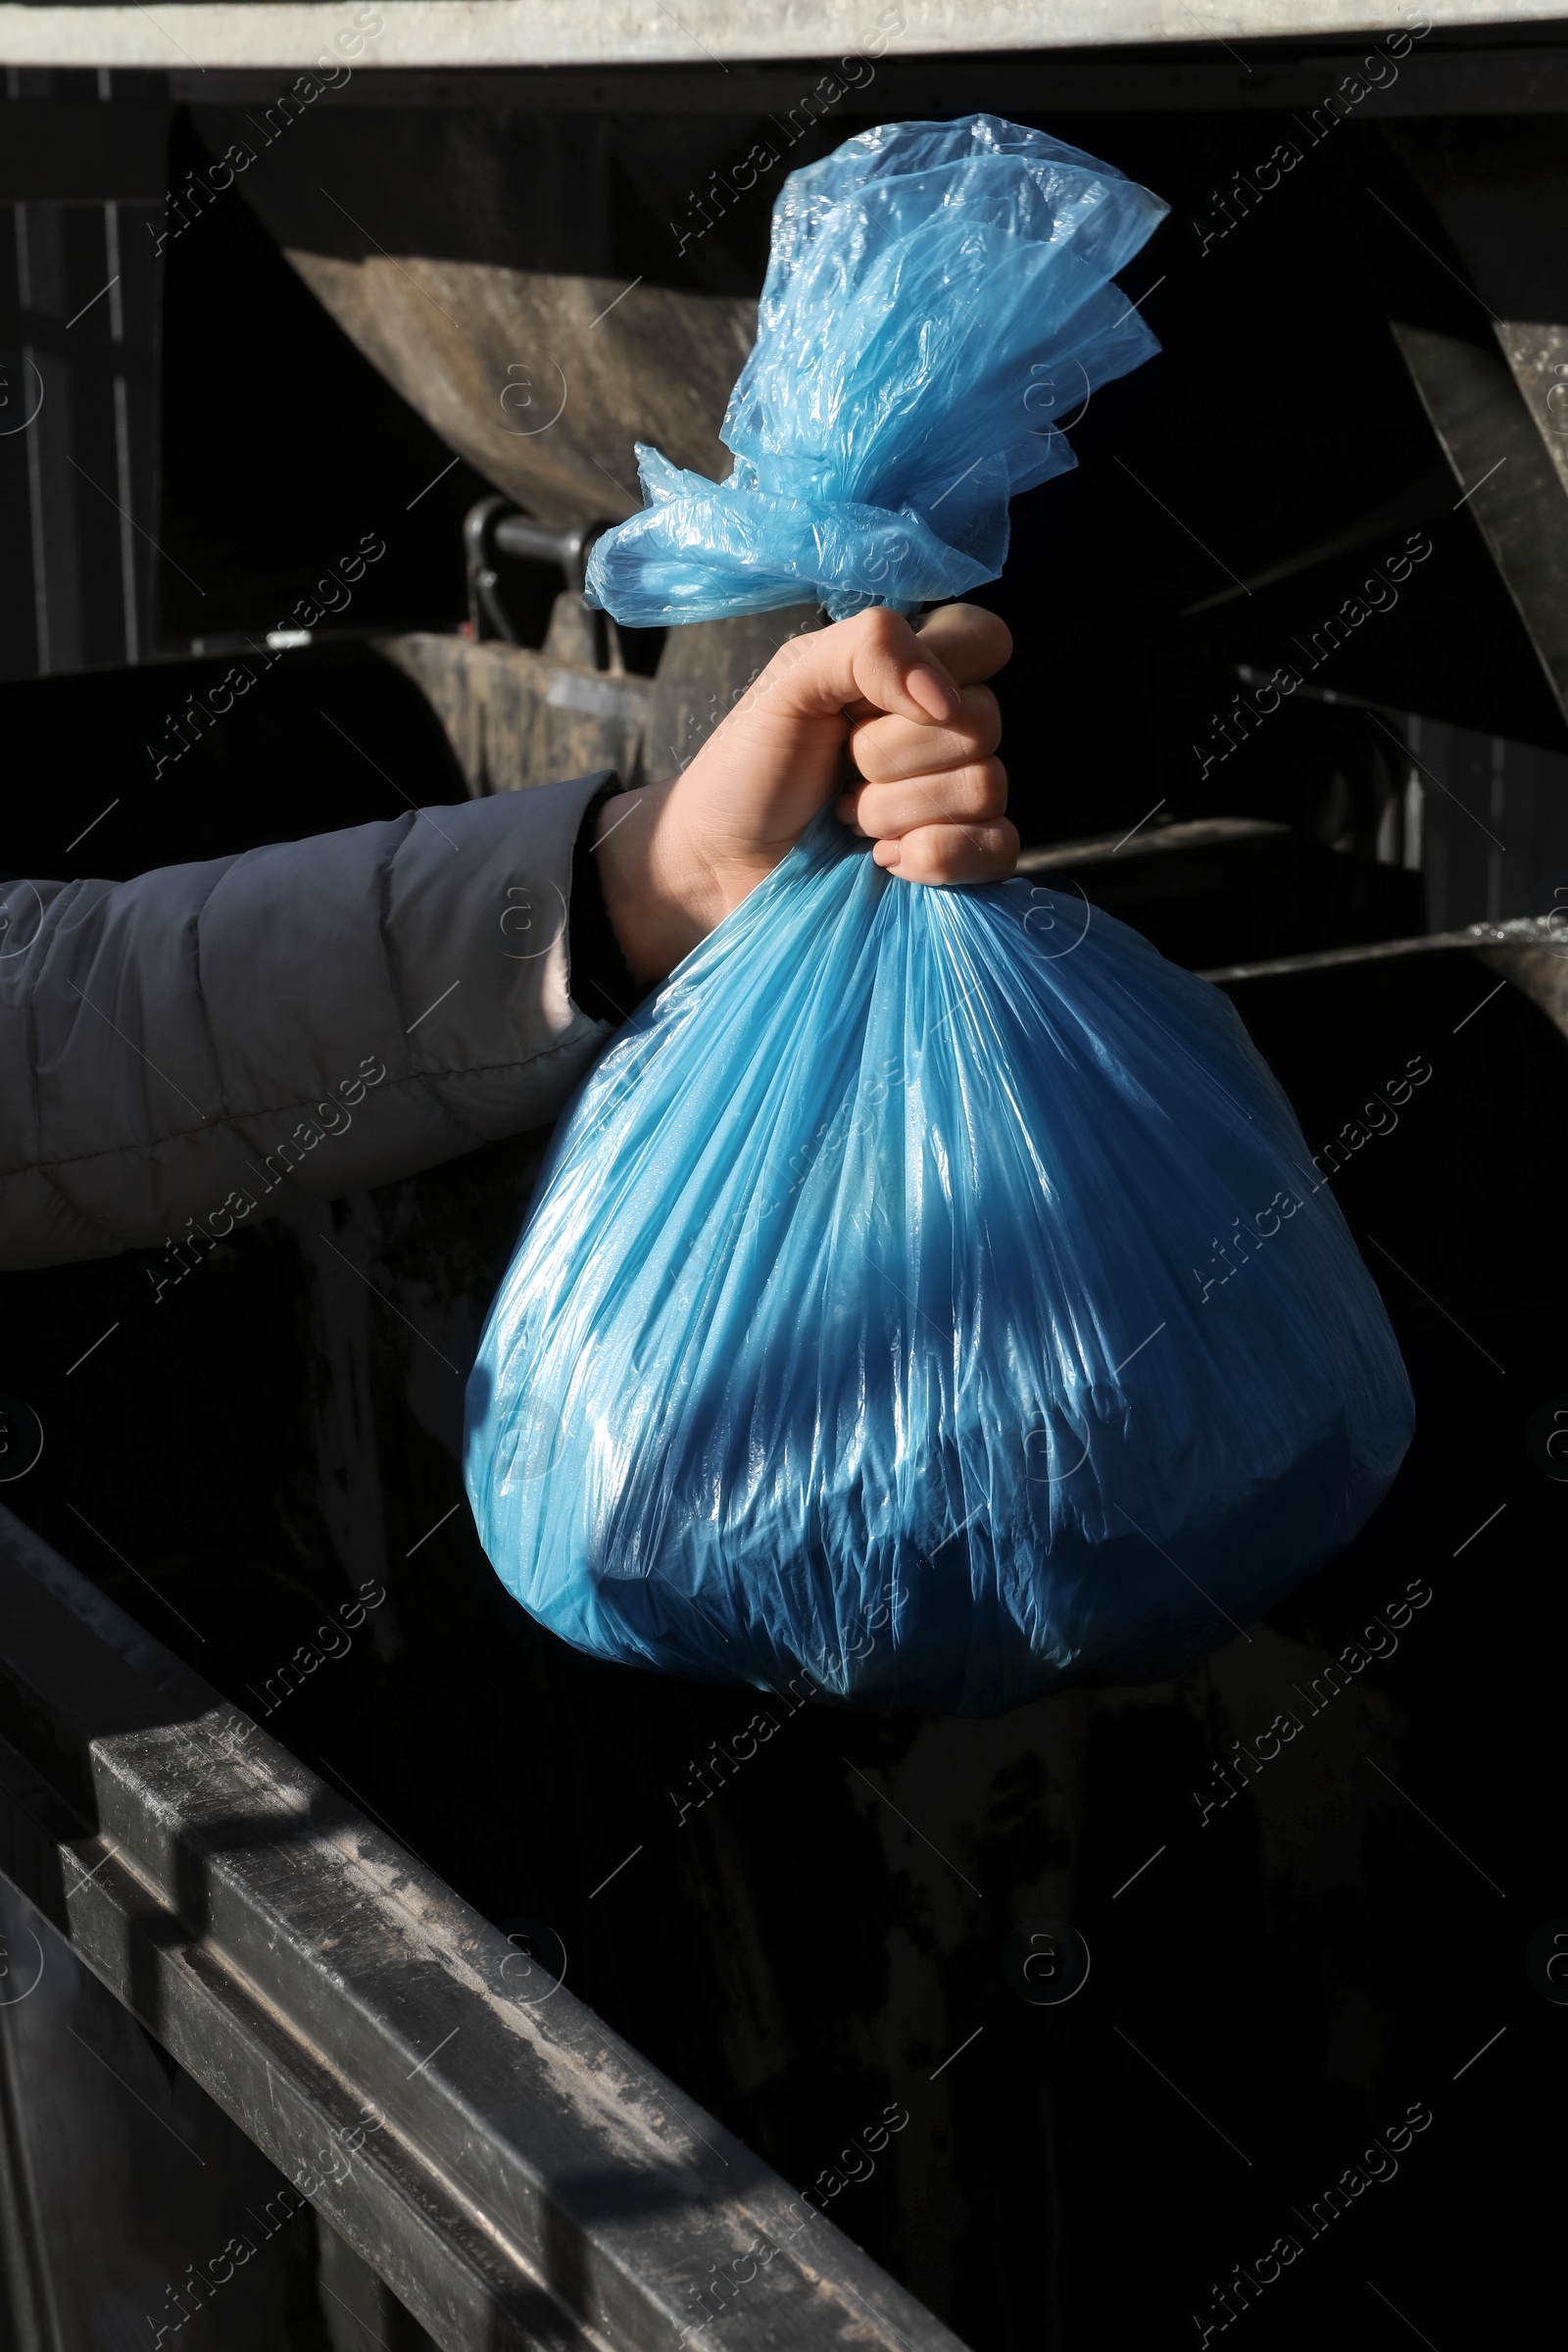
(602, 982)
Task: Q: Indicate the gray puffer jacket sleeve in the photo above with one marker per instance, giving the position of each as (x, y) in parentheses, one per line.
(191, 1046)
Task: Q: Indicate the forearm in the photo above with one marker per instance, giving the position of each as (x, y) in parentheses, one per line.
(201, 1042)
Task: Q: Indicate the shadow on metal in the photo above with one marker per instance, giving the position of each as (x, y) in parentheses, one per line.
(516, 2173)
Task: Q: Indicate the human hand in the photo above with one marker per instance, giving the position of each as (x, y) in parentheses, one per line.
(921, 780)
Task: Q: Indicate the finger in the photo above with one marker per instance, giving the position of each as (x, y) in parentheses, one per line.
(986, 852)
(964, 796)
(971, 643)
(872, 663)
(886, 748)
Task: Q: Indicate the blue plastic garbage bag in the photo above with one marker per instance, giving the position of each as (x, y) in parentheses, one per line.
(930, 1297)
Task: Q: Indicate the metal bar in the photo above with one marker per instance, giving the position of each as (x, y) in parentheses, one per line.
(1526, 951)
(1189, 838)
(563, 544)
(513, 2171)
(1460, 78)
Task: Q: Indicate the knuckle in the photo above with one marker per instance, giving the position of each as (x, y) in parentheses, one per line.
(982, 788)
(982, 718)
(918, 850)
(991, 632)
(873, 763)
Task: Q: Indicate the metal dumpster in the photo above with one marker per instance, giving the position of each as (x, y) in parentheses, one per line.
(376, 1969)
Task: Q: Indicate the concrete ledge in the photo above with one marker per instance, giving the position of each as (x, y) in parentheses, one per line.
(627, 32)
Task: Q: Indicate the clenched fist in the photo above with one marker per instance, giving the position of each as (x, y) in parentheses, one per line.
(888, 721)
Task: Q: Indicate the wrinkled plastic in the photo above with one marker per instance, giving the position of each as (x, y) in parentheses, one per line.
(931, 1292)
(938, 303)
(929, 1299)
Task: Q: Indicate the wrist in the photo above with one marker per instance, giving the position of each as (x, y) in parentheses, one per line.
(661, 896)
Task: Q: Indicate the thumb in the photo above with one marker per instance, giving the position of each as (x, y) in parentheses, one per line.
(871, 664)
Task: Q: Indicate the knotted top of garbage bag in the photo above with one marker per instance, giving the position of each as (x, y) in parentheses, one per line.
(937, 300)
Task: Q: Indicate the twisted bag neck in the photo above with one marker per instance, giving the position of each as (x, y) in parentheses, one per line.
(937, 298)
